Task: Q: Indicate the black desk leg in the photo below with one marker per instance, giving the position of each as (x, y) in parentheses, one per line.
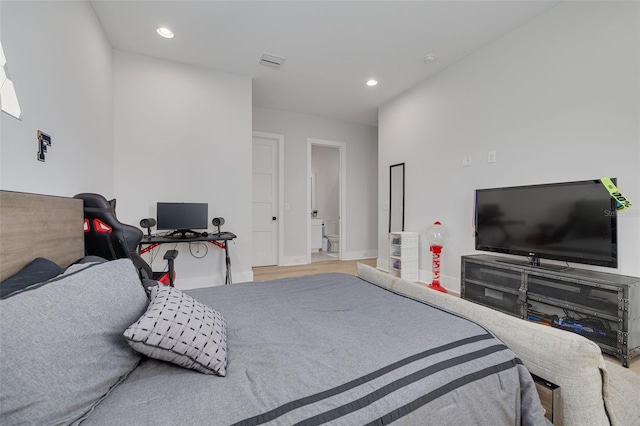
(228, 261)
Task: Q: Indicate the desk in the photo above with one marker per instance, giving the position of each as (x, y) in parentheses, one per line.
(218, 239)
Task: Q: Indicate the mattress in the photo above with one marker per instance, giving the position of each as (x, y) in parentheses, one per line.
(333, 349)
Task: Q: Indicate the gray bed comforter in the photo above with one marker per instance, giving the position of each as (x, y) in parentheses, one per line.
(333, 349)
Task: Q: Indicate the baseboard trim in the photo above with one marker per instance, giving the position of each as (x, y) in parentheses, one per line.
(352, 255)
(294, 260)
(452, 284)
(355, 255)
(184, 283)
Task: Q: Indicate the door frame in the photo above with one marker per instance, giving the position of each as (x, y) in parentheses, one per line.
(342, 148)
(280, 182)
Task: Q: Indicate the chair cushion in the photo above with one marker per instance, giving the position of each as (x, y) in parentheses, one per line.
(178, 329)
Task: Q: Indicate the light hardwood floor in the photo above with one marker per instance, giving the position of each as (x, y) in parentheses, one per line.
(266, 273)
(634, 365)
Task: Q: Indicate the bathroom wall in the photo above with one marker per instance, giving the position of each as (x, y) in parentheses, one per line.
(325, 165)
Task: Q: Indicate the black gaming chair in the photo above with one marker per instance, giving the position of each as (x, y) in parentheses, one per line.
(107, 237)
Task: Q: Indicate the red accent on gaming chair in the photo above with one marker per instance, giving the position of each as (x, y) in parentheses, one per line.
(111, 239)
(101, 227)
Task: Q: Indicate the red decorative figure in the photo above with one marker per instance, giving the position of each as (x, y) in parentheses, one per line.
(437, 235)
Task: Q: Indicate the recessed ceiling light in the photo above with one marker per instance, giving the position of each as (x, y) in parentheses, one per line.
(429, 58)
(372, 82)
(165, 32)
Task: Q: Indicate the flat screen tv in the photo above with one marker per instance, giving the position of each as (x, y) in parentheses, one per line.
(182, 217)
(569, 221)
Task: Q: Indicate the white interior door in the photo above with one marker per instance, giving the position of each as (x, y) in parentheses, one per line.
(265, 201)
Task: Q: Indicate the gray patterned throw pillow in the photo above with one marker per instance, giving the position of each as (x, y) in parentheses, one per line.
(178, 329)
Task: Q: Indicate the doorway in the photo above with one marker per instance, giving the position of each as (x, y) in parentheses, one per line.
(326, 198)
(267, 196)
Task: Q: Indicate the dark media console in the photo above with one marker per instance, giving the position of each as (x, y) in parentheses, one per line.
(602, 307)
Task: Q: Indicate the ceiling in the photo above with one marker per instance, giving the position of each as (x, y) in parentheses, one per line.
(331, 48)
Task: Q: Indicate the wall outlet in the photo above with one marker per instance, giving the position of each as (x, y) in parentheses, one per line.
(491, 156)
(466, 161)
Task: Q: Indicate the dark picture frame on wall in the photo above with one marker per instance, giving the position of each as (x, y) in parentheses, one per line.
(396, 197)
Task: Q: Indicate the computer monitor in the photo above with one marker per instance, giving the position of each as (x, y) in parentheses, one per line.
(182, 216)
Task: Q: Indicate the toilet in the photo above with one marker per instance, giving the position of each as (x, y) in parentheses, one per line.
(331, 232)
(334, 243)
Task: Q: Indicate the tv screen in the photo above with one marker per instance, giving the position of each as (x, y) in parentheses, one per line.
(182, 216)
(570, 221)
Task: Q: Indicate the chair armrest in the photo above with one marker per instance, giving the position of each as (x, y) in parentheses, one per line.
(170, 255)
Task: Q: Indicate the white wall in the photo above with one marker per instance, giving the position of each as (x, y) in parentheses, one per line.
(183, 134)
(361, 156)
(558, 99)
(61, 63)
(325, 164)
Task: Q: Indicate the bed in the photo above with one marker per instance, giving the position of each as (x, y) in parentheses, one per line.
(333, 348)
(324, 349)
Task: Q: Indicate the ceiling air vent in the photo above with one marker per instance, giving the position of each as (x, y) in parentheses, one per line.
(271, 61)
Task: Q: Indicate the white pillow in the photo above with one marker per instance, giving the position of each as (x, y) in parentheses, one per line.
(178, 329)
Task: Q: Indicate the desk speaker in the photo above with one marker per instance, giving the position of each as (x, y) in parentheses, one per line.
(148, 223)
(218, 221)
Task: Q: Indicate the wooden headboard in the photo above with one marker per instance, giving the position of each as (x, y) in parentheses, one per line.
(33, 225)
